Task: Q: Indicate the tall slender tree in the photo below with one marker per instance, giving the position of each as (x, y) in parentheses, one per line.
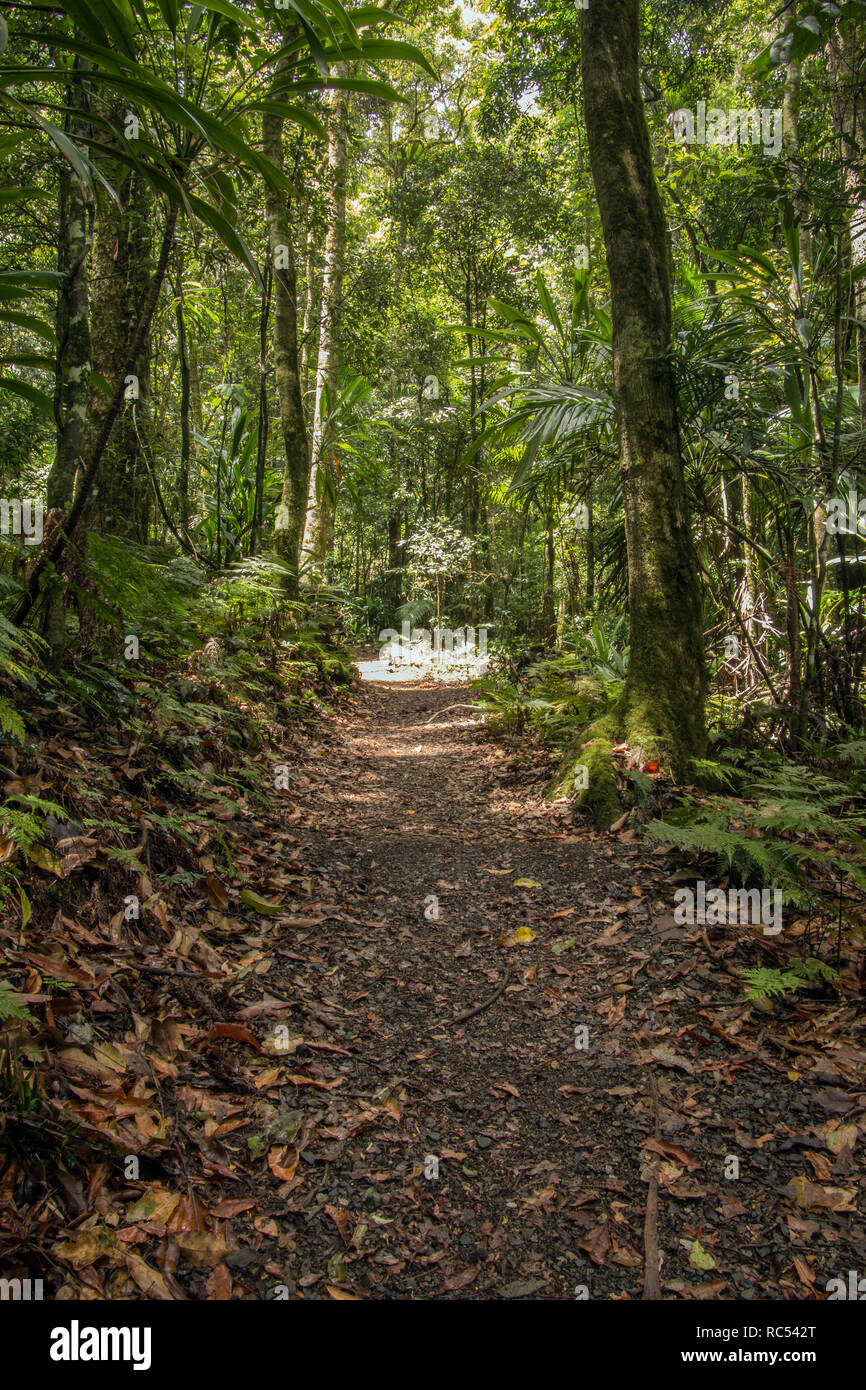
(663, 701)
(318, 525)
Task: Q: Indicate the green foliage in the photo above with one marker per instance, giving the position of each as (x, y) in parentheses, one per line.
(10, 1008)
(24, 826)
(765, 982)
(555, 697)
(603, 644)
(790, 828)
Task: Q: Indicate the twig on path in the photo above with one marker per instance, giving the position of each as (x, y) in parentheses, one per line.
(445, 710)
(479, 1008)
(651, 1286)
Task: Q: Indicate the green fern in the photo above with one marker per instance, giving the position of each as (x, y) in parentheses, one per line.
(765, 982)
(11, 722)
(10, 1007)
(791, 828)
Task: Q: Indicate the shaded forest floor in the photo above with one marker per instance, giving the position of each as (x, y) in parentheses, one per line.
(287, 1095)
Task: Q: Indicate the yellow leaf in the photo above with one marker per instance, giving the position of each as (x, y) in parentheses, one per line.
(701, 1258)
(44, 859)
(157, 1205)
(258, 903)
(525, 883)
(843, 1137)
(525, 934)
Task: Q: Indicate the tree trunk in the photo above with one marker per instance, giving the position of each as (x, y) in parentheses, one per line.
(87, 477)
(186, 439)
(120, 274)
(312, 316)
(317, 530)
(296, 468)
(663, 702)
(72, 390)
(846, 62)
(264, 420)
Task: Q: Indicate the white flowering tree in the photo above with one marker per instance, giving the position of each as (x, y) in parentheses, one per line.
(438, 551)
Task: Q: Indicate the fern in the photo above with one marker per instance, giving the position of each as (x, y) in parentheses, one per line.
(790, 828)
(764, 982)
(10, 1007)
(24, 826)
(11, 722)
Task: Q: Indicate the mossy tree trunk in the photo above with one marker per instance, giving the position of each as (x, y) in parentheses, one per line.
(662, 708)
(121, 268)
(296, 468)
(72, 390)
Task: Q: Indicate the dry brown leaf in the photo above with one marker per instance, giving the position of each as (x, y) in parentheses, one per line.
(667, 1150)
(810, 1195)
(216, 892)
(219, 1284)
(203, 1249)
(283, 1161)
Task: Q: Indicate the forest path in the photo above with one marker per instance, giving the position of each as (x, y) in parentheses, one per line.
(541, 1186)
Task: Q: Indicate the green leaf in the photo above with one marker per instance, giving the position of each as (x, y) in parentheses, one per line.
(547, 303)
(259, 904)
(34, 325)
(50, 279)
(227, 11)
(290, 112)
(225, 231)
(169, 11)
(28, 393)
(28, 359)
(18, 195)
(397, 48)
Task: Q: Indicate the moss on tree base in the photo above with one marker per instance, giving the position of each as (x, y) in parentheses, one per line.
(587, 769)
(648, 726)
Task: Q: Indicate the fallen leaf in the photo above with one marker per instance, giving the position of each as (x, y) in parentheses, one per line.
(219, 1284)
(283, 1161)
(597, 1244)
(202, 1249)
(455, 1282)
(156, 1205)
(700, 1258)
(216, 892)
(681, 1156)
(237, 1031)
(149, 1280)
(805, 1273)
(259, 904)
(843, 1137)
(341, 1220)
(810, 1195)
(666, 1057)
(44, 859)
(232, 1206)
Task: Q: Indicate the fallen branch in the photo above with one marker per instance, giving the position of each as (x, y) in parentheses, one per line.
(479, 1008)
(447, 708)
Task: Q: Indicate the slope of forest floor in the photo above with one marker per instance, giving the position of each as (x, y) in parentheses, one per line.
(372, 1079)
